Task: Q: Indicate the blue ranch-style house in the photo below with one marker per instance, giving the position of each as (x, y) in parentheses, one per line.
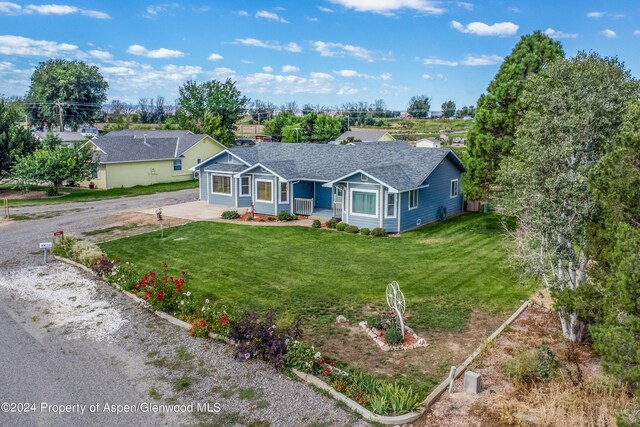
(392, 185)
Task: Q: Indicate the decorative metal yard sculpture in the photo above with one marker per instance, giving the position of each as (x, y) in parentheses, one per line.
(395, 301)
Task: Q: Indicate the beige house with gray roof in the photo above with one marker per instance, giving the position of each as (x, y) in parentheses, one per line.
(130, 157)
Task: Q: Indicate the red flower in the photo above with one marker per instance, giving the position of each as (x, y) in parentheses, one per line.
(164, 279)
(339, 388)
(160, 296)
(331, 363)
(224, 319)
(152, 274)
(176, 282)
(179, 288)
(326, 372)
(202, 323)
(184, 272)
(147, 294)
(101, 262)
(138, 285)
(181, 281)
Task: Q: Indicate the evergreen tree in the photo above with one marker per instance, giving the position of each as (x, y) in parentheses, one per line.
(497, 114)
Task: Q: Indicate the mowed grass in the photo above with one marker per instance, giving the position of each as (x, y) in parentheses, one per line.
(87, 195)
(445, 270)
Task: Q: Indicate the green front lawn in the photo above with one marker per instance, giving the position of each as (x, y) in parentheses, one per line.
(451, 272)
(445, 270)
(86, 195)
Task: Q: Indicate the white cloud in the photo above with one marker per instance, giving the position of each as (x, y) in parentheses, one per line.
(341, 50)
(223, 73)
(388, 7)
(598, 15)
(610, 34)
(501, 29)
(595, 14)
(438, 61)
(276, 84)
(242, 13)
(290, 69)
(312, 19)
(101, 54)
(636, 33)
(290, 47)
(136, 49)
(427, 77)
(10, 8)
(23, 46)
(271, 16)
(559, 34)
(513, 9)
(346, 90)
(267, 69)
(347, 73)
(465, 5)
(473, 61)
(325, 9)
(469, 60)
(385, 76)
(157, 9)
(215, 57)
(246, 61)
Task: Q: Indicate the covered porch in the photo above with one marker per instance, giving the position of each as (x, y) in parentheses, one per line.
(310, 198)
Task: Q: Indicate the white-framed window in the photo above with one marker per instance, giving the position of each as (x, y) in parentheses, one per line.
(413, 199)
(177, 165)
(221, 184)
(95, 172)
(364, 203)
(245, 186)
(454, 188)
(284, 192)
(264, 190)
(390, 207)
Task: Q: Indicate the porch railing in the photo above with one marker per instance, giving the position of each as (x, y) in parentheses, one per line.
(303, 206)
(337, 209)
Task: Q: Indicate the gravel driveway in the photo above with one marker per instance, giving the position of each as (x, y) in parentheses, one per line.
(68, 338)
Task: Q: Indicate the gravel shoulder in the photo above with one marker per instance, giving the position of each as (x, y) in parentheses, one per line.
(103, 334)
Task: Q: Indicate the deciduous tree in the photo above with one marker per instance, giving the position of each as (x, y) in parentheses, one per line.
(572, 111)
(71, 90)
(448, 108)
(15, 140)
(212, 107)
(419, 106)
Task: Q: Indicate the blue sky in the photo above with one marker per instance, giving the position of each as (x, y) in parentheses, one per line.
(322, 52)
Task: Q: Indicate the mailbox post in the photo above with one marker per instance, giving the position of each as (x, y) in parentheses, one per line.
(46, 246)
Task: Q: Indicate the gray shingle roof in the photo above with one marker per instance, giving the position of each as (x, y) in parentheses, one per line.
(395, 163)
(130, 146)
(226, 167)
(363, 135)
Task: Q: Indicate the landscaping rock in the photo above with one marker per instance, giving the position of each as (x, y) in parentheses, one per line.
(341, 319)
(472, 382)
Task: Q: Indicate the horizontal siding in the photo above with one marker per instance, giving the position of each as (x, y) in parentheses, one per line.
(432, 198)
(218, 199)
(322, 197)
(303, 190)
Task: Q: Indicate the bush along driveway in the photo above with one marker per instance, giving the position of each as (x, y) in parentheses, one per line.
(314, 275)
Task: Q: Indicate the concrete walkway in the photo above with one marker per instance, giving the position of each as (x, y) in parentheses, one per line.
(202, 211)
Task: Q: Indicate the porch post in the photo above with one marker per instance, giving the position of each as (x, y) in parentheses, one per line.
(291, 196)
(383, 204)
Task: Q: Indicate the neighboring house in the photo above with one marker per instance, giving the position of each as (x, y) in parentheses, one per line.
(68, 138)
(428, 142)
(89, 131)
(370, 184)
(366, 136)
(128, 158)
(436, 114)
(245, 142)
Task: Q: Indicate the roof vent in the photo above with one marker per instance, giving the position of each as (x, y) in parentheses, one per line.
(144, 140)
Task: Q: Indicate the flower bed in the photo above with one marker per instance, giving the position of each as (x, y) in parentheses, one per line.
(411, 339)
(253, 337)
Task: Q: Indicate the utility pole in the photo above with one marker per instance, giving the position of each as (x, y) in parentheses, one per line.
(297, 129)
(60, 117)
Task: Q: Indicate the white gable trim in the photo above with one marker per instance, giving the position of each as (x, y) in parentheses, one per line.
(263, 167)
(331, 183)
